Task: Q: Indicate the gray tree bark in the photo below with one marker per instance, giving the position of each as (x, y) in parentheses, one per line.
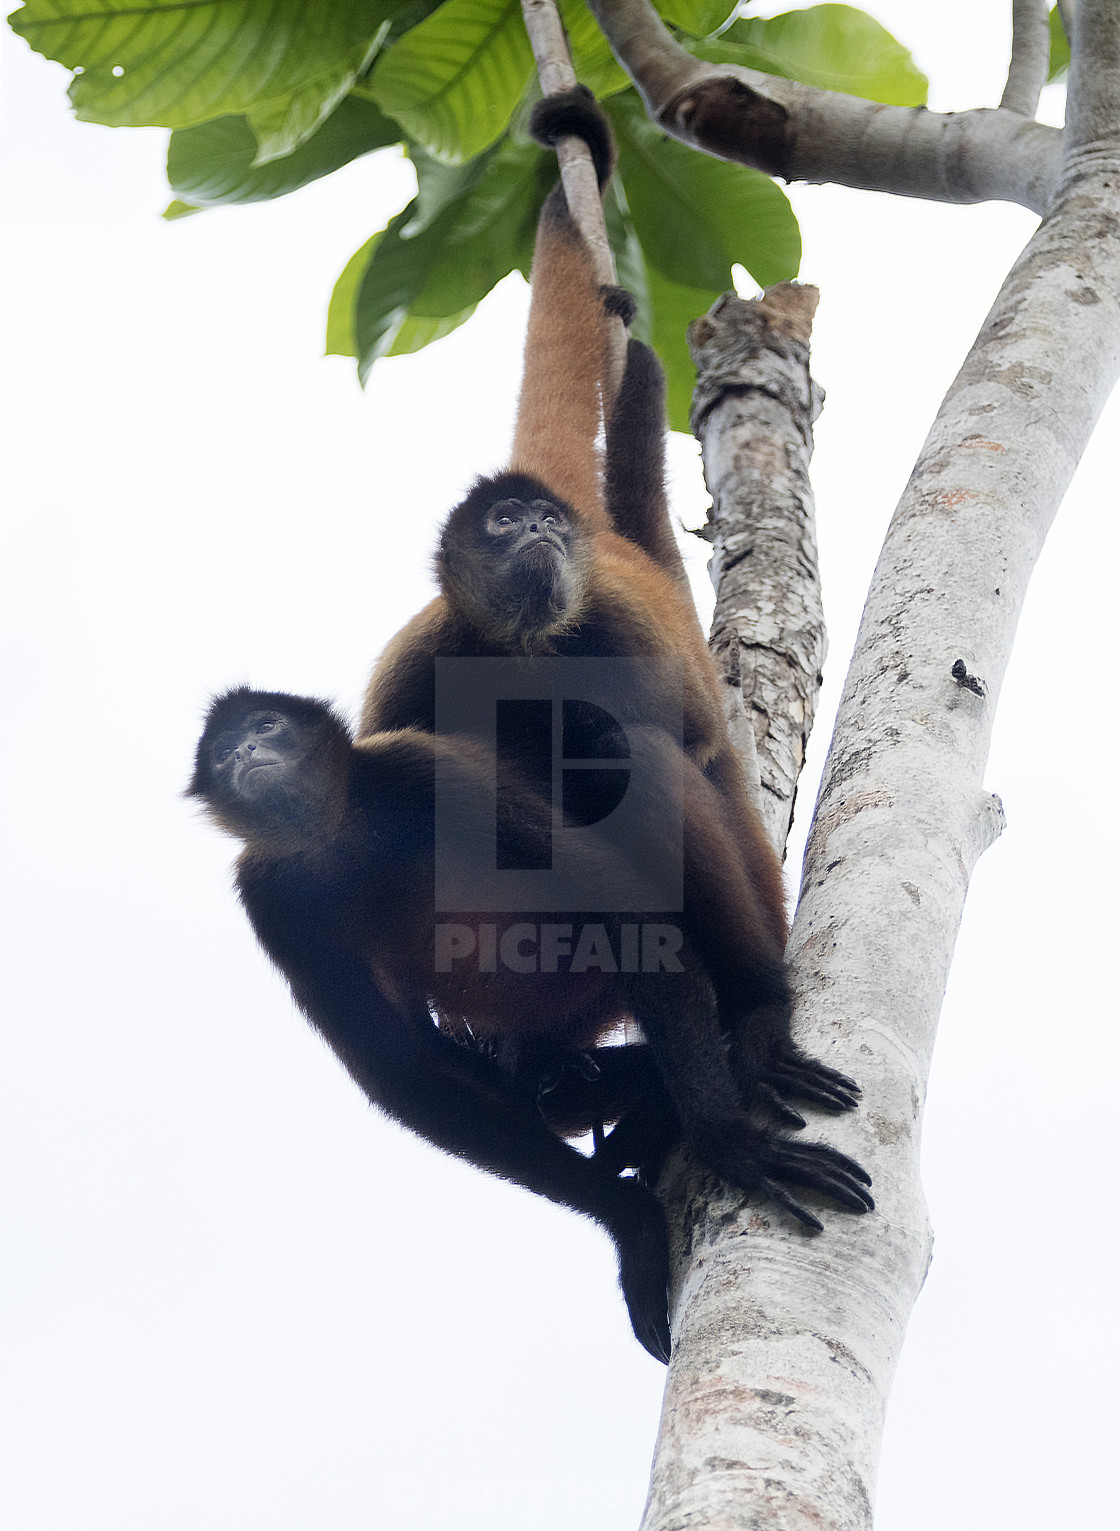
(786, 1343)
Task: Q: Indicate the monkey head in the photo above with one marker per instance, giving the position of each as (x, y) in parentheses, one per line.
(513, 561)
(271, 767)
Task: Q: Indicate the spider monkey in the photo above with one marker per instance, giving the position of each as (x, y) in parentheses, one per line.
(337, 878)
(567, 555)
(337, 870)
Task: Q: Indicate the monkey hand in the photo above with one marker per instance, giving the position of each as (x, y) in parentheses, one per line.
(638, 1229)
(619, 303)
(575, 113)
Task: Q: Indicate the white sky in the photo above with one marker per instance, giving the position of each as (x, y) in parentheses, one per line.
(234, 1298)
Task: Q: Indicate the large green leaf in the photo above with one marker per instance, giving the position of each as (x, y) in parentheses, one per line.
(665, 309)
(454, 80)
(696, 215)
(173, 63)
(404, 288)
(832, 46)
(214, 162)
(404, 332)
(439, 185)
(281, 125)
(674, 308)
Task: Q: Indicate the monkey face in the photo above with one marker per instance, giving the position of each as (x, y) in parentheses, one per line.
(534, 530)
(264, 771)
(264, 742)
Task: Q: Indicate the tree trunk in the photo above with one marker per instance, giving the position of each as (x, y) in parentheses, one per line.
(786, 1343)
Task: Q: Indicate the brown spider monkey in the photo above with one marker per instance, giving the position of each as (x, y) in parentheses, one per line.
(337, 878)
(566, 555)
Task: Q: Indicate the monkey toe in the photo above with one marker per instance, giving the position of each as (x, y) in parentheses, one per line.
(807, 1079)
(821, 1168)
(784, 1113)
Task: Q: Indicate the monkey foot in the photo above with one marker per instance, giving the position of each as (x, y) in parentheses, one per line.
(777, 1162)
(643, 1269)
(803, 1077)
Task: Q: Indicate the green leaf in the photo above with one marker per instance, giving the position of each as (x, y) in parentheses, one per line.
(439, 185)
(454, 80)
(341, 337)
(674, 308)
(630, 263)
(698, 17)
(214, 162)
(416, 332)
(594, 63)
(665, 310)
(281, 125)
(834, 47)
(1059, 49)
(173, 63)
(696, 215)
(175, 210)
(406, 288)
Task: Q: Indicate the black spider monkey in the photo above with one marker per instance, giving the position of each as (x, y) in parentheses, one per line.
(533, 562)
(337, 878)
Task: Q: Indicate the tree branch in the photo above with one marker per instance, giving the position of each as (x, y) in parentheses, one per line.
(804, 134)
(577, 170)
(753, 412)
(1030, 57)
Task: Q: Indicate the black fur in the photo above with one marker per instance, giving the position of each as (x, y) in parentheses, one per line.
(576, 113)
(346, 912)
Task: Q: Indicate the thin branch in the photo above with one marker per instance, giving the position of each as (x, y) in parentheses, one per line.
(577, 171)
(1030, 57)
(803, 134)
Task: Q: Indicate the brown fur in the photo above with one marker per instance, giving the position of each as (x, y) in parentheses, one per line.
(627, 597)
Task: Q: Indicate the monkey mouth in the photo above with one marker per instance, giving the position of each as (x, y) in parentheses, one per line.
(251, 766)
(543, 543)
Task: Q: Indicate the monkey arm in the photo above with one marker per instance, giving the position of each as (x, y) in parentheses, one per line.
(457, 1101)
(635, 463)
(559, 408)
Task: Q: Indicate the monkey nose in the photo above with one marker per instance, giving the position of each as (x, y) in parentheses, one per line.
(533, 527)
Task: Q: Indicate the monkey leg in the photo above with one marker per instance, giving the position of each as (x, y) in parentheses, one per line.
(679, 1015)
